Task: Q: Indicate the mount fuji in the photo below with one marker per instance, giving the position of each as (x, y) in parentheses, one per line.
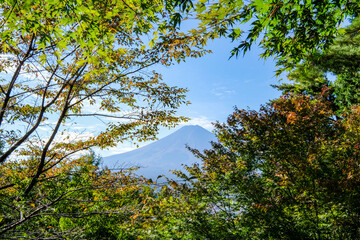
(168, 153)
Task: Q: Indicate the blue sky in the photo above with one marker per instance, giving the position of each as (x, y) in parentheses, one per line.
(216, 84)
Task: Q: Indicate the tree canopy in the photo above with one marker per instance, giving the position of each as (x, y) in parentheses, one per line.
(66, 61)
(336, 67)
(288, 171)
(287, 30)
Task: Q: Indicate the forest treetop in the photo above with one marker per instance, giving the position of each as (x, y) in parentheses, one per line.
(64, 61)
(287, 30)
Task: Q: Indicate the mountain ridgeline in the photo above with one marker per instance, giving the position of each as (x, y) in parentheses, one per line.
(168, 153)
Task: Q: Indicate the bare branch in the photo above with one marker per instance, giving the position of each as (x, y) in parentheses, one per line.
(14, 78)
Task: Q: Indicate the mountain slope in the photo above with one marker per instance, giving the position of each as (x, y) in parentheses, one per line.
(168, 153)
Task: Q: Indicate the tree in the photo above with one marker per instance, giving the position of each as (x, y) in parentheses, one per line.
(65, 62)
(76, 200)
(287, 30)
(339, 60)
(288, 171)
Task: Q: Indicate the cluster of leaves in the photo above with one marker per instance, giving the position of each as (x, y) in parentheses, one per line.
(289, 171)
(75, 200)
(287, 30)
(66, 61)
(341, 61)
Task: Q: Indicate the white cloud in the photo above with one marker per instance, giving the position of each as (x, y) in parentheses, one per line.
(36, 74)
(69, 137)
(84, 127)
(222, 92)
(118, 150)
(121, 148)
(125, 114)
(66, 137)
(201, 121)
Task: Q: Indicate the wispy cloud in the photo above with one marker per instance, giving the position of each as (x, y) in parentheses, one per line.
(125, 114)
(201, 121)
(222, 92)
(84, 127)
(68, 137)
(121, 148)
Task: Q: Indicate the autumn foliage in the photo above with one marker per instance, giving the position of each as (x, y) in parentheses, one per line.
(63, 64)
(288, 171)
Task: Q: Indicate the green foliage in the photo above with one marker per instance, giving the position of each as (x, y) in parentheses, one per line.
(76, 200)
(287, 30)
(64, 63)
(288, 171)
(305, 80)
(339, 60)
